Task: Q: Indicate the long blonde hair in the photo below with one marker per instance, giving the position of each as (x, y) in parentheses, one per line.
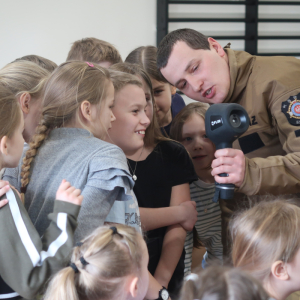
(67, 87)
(222, 283)
(103, 260)
(24, 76)
(263, 234)
(10, 112)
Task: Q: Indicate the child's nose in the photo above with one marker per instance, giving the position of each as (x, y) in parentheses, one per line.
(112, 117)
(144, 119)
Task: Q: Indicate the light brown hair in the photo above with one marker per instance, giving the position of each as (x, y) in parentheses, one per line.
(24, 76)
(146, 57)
(222, 283)
(263, 234)
(10, 112)
(94, 50)
(153, 134)
(43, 62)
(67, 87)
(179, 120)
(110, 257)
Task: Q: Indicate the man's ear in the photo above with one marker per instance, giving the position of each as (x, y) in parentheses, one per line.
(214, 45)
(4, 145)
(86, 110)
(133, 288)
(24, 101)
(173, 90)
(279, 270)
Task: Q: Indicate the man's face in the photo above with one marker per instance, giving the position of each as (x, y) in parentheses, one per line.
(202, 75)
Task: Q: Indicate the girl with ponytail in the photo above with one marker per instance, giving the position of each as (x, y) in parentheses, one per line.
(76, 115)
(111, 263)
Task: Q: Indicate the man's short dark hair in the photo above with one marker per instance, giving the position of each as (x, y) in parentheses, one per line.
(194, 39)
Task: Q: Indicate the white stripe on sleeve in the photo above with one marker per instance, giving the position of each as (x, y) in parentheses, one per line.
(36, 258)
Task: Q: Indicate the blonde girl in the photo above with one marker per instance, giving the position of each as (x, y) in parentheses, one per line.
(161, 169)
(26, 261)
(266, 243)
(111, 263)
(222, 283)
(25, 80)
(76, 114)
(167, 102)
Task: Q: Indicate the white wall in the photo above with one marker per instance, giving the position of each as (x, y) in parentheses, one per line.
(48, 28)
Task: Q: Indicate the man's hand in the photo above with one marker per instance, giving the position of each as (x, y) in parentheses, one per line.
(232, 162)
(188, 209)
(68, 193)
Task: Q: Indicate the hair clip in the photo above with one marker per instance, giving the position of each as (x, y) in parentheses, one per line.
(73, 266)
(114, 229)
(79, 244)
(83, 261)
(192, 277)
(90, 64)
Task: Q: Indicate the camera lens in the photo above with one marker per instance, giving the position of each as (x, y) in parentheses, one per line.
(235, 120)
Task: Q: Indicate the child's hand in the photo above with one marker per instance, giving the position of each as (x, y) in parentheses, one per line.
(189, 215)
(4, 188)
(232, 162)
(68, 193)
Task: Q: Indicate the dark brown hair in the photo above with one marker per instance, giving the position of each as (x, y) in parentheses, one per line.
(94, 50)
(194, 39)
(45, 63)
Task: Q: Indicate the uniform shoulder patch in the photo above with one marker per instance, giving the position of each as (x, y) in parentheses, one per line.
(291, 109)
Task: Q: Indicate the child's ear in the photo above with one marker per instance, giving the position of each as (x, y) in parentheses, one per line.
(173, 90)
(86, 110)
(24, 101)
(279, 270)
(133, 288)
(4, 145)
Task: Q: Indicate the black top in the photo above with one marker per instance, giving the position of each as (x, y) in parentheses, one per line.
(166, 166)
(177, 105)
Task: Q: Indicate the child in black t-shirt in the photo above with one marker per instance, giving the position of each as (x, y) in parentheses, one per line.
(162, 170)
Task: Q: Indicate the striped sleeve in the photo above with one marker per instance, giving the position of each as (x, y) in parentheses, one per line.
(208, 225)
(26, 260)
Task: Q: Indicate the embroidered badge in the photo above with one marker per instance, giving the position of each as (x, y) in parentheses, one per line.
(291, 109)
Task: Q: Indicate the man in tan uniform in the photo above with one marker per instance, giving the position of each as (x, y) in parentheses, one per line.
(266, 158)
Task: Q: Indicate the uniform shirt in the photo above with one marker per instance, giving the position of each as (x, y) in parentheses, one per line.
(269, 89)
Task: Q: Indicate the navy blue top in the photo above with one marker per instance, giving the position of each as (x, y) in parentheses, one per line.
(176, 106)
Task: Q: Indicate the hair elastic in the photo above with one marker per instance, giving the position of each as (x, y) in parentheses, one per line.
(79, 244)
(90, 64)
(73, 266)
(192, 277)
(83, 261)
(114, 229)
